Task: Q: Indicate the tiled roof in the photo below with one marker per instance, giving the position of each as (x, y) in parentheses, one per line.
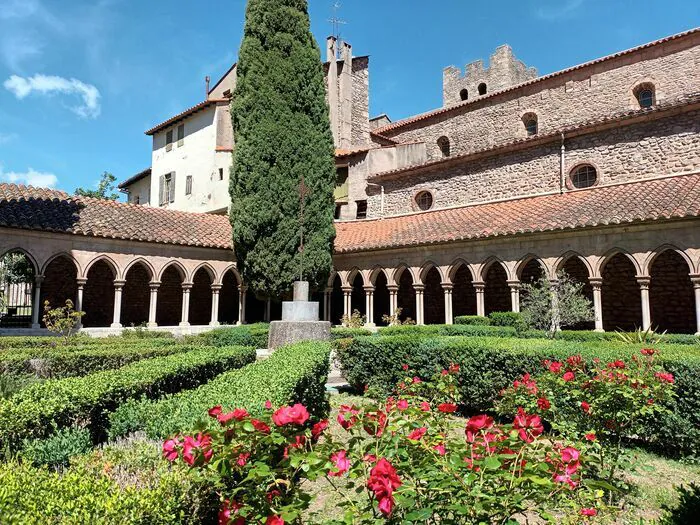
(202, 105)
(32, 208)
(134, 178)
(669, 198)
(430, 114)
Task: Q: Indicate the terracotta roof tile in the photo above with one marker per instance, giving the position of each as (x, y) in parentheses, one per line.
(187, 112)
(669, 198)
(430, 114)
(32, 208)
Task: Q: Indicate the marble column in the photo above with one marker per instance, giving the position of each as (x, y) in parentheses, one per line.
(597, 285)
(185, 318)
(153, 305)
(447, 290)
(369, 305)
(242, 290)
(514, 295)
(347, 301)
(36, 303)
(420, 318)
(327, 301)
(479, 287)
(695, 279)
(215, 293)
(118, 288)
(393, 299)
(643, 282)
(79, 299)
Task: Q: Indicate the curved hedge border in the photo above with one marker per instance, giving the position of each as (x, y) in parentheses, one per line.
(59, 362)
(473, 330)
(489, 364)
(254, 335)
(79, 341)
(293, 374)
(41, 409)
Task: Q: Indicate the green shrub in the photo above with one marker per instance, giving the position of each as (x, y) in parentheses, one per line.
(489, 364)
(688, 508)
(79, 341)
(514, 319)
(472, 319)
(254, 335)
(58, 449)
(293, 374)
(11, 384)
(118, 485)
(449, 330)
(344, 333)
(59, 362)
(41, 409)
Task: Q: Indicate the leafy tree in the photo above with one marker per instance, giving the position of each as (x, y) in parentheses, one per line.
(282, 130)
(62, 320)
(548, 306)
(105, 188)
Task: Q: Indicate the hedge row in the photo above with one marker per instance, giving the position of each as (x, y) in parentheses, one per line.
(113, 486)
(345, 333)
(489, 364)
(59, 362)
(293, 374)
(473, 330)
(254, 335)
(8, 342)
(40, 409)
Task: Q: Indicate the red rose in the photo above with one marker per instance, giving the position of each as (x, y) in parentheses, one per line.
(528, 426)
(347, 416)
(243, 459)
(555, 367)
(440, 449)
(405, 367)
(590, 436)
(589, 512)
(416, 379)
(215, 411)
(447, 408)
(170, 449)
(574, 361)
(260, 426)
(476, 424)
(296, 415)
(454, 368)
(318, 429)
(383, 481)
(425, 406)
(374, 423)
(543, 403)
(417, 434)
(238, 414)
(341, 462)
(568, 376)
(648, 352)
(228, 508)
(585, 407)
(569, 454)
(274, 520)
(197, 450)
(665, 376)
(268, 404)
(402, 404)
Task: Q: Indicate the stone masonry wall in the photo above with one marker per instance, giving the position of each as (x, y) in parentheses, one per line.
(360, 100)
(596, 91)
(661, 147)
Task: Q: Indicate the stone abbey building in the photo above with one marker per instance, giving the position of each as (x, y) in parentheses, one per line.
(594, 170)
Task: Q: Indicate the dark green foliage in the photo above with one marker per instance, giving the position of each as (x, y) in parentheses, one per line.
(105, 188)
(282, 129)
(449, 330)
(58, 362)
(115, 486)
(489, 364)
(344, 333)
(514, 319)
(253, 335)
(10, 384)
(55, 451)
(472, 319)
(77, 342)
(687, 511)
(41, 409)
(293, 374)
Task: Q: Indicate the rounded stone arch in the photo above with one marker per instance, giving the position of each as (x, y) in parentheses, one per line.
(426, 268)
(495, 275)
(184, 275)
(331, 278)
(58, 255)
(610, 254)
(208, 268)
(529, 260)
(230, 268)
(107, 260)
(455, 266)
(17, 308)
(398, 272)
(431, 277)
(374, 274)
(649, 261)
(566, 257)
(143, 262)
(26, 253)
(488, 263)
(348, 276)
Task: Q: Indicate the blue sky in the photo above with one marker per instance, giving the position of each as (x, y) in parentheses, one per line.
(80, 80)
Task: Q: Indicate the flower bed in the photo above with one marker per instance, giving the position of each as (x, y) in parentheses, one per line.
(41, 409)
(292, 374)
(490, 364)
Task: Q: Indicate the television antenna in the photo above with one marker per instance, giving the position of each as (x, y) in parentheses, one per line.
(336, 21)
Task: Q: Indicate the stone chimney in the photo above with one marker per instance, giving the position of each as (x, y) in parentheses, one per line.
(345, 96)
(332, 87)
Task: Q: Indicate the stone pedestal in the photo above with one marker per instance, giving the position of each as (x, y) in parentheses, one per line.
(299, 321)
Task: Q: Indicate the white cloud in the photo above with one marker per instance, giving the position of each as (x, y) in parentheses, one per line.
(31, 177)
(17, 48)
(7, 137)
(557, 9)
(50, 85)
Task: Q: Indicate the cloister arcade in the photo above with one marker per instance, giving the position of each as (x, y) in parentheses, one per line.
(660, 289)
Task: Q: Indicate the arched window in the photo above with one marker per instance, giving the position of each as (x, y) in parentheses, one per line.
(584, 176)
(444, 145)
(530, 123)
(482, 88)
(644, 93)
(464, 94)
(424, 200)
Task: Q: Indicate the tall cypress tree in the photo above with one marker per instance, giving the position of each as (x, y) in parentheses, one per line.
(282, 131)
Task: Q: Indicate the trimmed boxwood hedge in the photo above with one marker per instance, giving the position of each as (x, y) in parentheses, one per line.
(79, 341)
(345, 333)
(254, 335)
(43, 408)
(60, 362)
(489, 364)
(293, 374)
(472, 319)
(448, 330)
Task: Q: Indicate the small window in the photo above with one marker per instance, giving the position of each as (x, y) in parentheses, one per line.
(584, 176)
(482, 88)
(227, 93)
(444, 145)
(464, 94)
(338, 210)
(169, 140)
(361, 209)
(167, 188)
(530, 122)
(424, 200)
(221, 173)
(180, 135)
(645, 96)
(188, 185)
